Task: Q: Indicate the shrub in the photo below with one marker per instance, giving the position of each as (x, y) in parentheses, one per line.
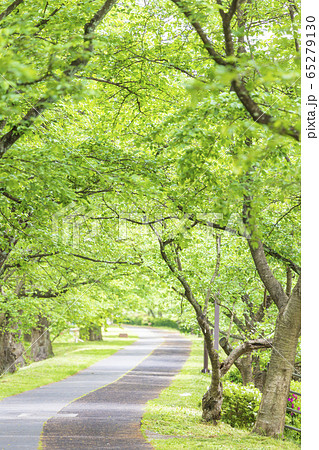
(240, 405)
(233, 375)
(153, 321)
(163, 322)
(133, 321)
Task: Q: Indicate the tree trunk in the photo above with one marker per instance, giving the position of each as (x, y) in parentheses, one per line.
(41, 346)
(213, 397)
(271, 415)
(245, 367)
(95, 333)
(11, 351)
(92, 333)
(212, 402)
(243, 364)
(258, 374)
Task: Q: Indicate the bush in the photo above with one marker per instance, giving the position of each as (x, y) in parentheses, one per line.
(240, 405)
(233, 375)
(133, 321)
(153, 321)
(162, 322)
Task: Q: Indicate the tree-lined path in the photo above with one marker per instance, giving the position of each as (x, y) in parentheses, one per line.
(109, 415)
(150, 168)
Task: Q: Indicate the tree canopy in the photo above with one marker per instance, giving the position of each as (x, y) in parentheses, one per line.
(150, 160)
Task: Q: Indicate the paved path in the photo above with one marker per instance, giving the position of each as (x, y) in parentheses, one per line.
(108, 417)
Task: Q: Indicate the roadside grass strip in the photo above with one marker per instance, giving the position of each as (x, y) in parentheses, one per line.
(173, 420)
(69, 358)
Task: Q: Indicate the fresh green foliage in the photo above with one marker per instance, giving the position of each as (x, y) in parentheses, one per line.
(126, 125)
(147, 126)
(233, 376)
(240, 405)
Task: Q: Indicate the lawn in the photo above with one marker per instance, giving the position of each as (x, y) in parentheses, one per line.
(173, 421)
(69, 358)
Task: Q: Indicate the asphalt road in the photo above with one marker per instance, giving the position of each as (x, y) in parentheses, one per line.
(100, 407)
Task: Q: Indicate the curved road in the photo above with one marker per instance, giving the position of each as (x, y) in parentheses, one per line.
(107, 399)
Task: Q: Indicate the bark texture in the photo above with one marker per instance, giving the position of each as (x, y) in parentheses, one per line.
(271, 415)
(258, 374)
(272, 411)
(213, 397)
(41, 346)
(212, 403)
(11, 350)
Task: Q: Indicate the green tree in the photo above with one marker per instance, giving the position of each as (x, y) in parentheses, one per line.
(187, 110)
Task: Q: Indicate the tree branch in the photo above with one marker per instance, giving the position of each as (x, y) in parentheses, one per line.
(242, 349)
(152, 222)
(215, 274)
(270, 282)
(52, 294)
(201, 33)
(226, 19)
(8, 139)
(10, 8)
(9, 196)
(29, 257)
(45, 21)
(295, 267)
(104, 261)
(188, 292)
(237, 85)
(112, 83)
(292, 18)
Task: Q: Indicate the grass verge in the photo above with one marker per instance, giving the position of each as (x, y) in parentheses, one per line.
(70, 358)
(173, 420)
